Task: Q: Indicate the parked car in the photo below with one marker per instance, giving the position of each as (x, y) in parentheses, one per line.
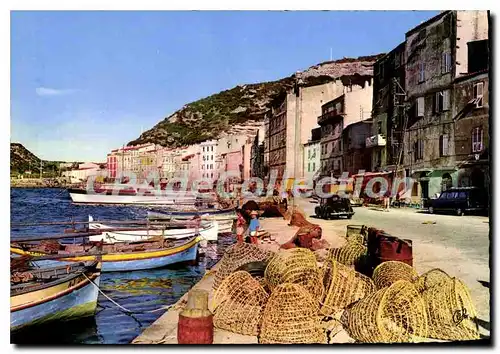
(334, 206)
(460, 201)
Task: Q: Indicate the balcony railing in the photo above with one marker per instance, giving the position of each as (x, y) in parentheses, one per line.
(375, 140)
(329, 115)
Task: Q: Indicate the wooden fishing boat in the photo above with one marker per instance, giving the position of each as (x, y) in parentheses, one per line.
(60, 293)
(208, 230)
(207, 213)
(117, 257)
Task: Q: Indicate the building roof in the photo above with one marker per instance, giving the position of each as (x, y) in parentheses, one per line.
(428, 22)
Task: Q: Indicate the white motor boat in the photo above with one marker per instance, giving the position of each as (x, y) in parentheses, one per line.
(208, 231)
(131, 195)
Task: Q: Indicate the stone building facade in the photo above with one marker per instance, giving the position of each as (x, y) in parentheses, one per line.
(275, 144)
(471, 120)
(386, 139)
(257, 155)
(436, 54)
(356, 157)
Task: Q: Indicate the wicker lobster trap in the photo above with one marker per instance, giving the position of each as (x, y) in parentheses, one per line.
(349, 254)
(238, 304)
(297, 266)
(451, 312)
(430, 279)
(236, 256)
(291, 316)
(393, 314)
(357, 233)
(343, 286)
(387, 273)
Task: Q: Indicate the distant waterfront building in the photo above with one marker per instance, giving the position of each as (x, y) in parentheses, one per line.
(312, 156)
(84, 171)
(208, 151)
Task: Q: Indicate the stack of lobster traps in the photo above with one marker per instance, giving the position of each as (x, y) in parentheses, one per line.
(361, 289)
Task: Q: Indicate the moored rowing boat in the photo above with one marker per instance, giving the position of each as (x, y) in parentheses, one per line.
(56, 294)
(208, 231)
(116, 257)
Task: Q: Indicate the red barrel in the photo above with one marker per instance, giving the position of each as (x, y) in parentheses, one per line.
(196, 322)
(195, 330)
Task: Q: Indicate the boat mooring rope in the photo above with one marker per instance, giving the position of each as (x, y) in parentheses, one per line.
(120, 306)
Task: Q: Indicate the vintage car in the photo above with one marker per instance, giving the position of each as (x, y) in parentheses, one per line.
(459, 201)
(334, 207)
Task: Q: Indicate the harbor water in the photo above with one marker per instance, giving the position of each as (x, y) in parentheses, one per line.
(145, 293)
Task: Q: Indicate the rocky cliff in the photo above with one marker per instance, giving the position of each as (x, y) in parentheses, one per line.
(242, 108)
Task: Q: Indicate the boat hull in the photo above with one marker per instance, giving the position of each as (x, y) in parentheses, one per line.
(208, 233)
(117, 262)
(62, 302)
(81, 198)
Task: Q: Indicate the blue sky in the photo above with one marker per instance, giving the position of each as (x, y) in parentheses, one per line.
(83, 83)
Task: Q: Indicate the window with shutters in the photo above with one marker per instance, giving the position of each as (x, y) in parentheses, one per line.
(421, 72)
(478, 94)
(420, 106)
(309, 167)
(314, 166)
(477, 139)
(443, 145)
(418, 149)
(438, 102)
(446, 63)
(309, 153)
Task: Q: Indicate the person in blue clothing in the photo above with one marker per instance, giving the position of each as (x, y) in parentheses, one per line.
(254, 228)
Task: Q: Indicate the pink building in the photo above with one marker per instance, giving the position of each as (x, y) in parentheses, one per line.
(194, 167)
(233, 162)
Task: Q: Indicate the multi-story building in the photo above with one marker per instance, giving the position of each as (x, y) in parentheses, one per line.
(353, 105)
(386, 139)
(208, 151)
(257, 155)
(295, 112)
(470, 113)
(312, 156)
(276, 138)
(356, 157)
(436, 55)
(166, 162)
(112, 162)
(228, 157)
